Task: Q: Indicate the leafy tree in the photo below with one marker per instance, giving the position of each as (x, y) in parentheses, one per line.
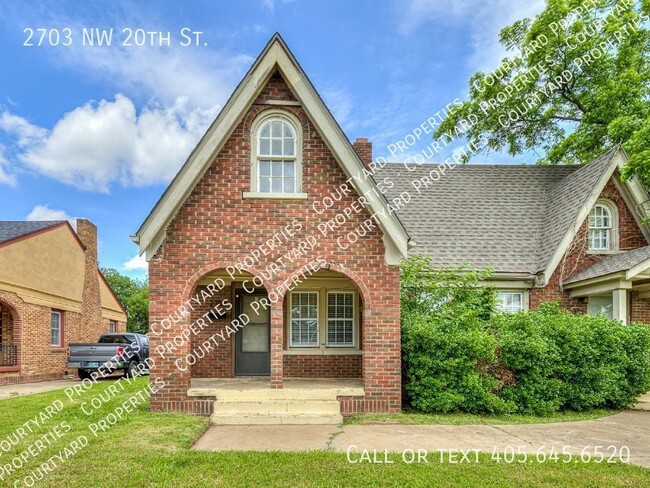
(134, 295)
(576, 82)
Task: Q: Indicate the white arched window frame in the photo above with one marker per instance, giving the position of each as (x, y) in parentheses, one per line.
(603, 227)
(276, 156)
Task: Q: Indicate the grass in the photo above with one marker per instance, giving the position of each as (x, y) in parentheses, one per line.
(416, 418)
(146, 449)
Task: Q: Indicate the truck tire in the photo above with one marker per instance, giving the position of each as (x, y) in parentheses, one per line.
(131, 370)
(83, 374)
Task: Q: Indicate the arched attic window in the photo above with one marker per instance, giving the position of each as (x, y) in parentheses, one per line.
(603, 227)
(276, 156)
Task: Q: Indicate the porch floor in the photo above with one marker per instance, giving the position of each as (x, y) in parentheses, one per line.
(210, 387)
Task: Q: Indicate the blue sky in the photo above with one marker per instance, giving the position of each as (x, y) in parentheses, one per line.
(98, 132)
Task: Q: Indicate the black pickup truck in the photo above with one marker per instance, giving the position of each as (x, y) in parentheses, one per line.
(111, 353)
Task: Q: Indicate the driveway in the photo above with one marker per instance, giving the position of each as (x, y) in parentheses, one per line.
(626, 430)
(12, 391)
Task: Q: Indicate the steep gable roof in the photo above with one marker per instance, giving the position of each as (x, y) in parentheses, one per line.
(275, 56)
(570, 202)
(513, 219)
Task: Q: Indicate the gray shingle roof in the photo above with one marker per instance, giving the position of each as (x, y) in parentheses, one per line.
(563, 202)
(10, 229)
(612, 264)
(510, 218)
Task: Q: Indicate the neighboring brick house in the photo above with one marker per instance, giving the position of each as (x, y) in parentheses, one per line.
(278, 218)
(51, 294)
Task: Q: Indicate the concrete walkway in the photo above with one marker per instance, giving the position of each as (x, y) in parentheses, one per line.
(629, 428)
(12, 391)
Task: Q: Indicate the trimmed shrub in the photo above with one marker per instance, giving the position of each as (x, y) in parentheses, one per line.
(459, 355)
(571, 361)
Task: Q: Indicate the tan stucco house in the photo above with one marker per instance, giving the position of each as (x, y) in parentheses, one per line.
(51, 294)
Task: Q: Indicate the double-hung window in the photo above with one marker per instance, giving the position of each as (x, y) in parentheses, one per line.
(600, 228)
(510, 302)
(340, 319)
(277, 159)
(56, 328)
(304, 319)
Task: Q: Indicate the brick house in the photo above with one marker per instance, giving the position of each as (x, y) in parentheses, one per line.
(572, 234)
(51, 294)
(274, 253)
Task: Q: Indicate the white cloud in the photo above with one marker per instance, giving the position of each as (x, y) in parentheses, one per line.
(482, 20)
(136, 263)
(167, 97)
(102, 144)
(43, 212)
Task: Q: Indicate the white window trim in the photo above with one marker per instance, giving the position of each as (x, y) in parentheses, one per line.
(613, 233)
(355, 322)
(111, 323)
(525, 298)
(318, 324)
(254, 168)
(56, 312)
(323, 348)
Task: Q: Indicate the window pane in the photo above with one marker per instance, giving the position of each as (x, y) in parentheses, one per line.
(289, 186)
(265, 168)
(276, 128)
(289, 147)
(276, 147)
(265, 146)
(276, 169)
(289, 167)
(287, 130)
(266, 130)
(276, 185)
(265, 185)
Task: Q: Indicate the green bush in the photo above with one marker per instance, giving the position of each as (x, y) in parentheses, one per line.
(571, 361)
(459, 355)
(444, 340)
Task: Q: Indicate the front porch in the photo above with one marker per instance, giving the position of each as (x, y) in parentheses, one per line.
(617, 286)
(252, 400)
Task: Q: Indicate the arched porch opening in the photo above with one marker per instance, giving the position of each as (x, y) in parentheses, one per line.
(324, 315)
(9, 337)
(230, 322)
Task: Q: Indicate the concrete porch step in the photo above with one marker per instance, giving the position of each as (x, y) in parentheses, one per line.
(270, 410)
(286, 418)
(317, 407)
(261, 394)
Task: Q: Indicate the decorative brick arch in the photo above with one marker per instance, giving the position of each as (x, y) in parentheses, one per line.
(356, 279)
(192, 282)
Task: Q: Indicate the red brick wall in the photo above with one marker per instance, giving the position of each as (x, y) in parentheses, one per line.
(639, 309)
(317, 366)
(215, 228)
(216, 363)
(578, 258)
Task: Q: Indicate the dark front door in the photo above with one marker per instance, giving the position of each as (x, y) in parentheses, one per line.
(253, 340)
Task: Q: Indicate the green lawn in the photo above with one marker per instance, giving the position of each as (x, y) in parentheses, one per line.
(469, 419)
(148, 449)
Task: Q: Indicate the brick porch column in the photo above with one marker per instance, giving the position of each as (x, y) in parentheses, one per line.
(382, 360)
(277, 346)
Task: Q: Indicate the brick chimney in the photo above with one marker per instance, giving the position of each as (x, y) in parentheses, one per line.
(363, 147)
(91, 308)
